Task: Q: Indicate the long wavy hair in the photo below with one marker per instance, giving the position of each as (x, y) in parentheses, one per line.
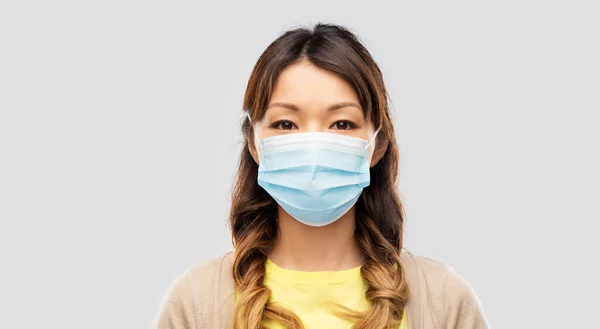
(379, 211)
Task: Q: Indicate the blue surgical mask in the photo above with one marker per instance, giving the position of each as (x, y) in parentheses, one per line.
(316, 177)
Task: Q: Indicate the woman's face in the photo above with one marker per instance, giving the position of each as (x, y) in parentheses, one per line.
(309, 99)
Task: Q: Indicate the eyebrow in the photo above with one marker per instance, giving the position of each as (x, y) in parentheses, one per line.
(332, 107)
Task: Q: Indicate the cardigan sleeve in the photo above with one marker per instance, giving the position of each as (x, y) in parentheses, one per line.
(177, 309)
(462, 308)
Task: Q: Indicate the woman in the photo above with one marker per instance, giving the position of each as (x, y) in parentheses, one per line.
(316, 219)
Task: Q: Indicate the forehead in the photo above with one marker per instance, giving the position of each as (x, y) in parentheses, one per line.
(307, 85)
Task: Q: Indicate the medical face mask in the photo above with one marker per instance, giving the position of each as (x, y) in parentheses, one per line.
(316, 177)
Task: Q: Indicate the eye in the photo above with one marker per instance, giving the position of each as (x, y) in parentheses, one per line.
(283, 125)
(343, 125)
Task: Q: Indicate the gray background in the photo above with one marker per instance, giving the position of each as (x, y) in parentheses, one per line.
(119, 140)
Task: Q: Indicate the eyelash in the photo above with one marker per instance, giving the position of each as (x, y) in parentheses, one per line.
(280, 122)
(277, 124)
(348, 123)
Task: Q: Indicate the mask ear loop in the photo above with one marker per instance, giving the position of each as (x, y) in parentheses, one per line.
(256, 140)
(373, 138)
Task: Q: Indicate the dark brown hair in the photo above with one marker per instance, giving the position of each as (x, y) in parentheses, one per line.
(379, 211)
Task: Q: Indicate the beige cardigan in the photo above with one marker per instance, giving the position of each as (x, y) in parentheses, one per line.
(202, 297)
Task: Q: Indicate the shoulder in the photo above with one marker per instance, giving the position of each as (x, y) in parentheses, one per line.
(449, 295)
(193, 292)
(438, 275)
(202, 276)
(426, 265)
(203, 271)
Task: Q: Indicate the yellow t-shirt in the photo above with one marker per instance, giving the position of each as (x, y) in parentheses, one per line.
(309, 294)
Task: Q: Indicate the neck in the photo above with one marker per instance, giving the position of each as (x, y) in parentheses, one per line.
(306, 248)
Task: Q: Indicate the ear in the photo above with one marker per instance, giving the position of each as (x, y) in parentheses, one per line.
(381, 145)
(252, 148)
